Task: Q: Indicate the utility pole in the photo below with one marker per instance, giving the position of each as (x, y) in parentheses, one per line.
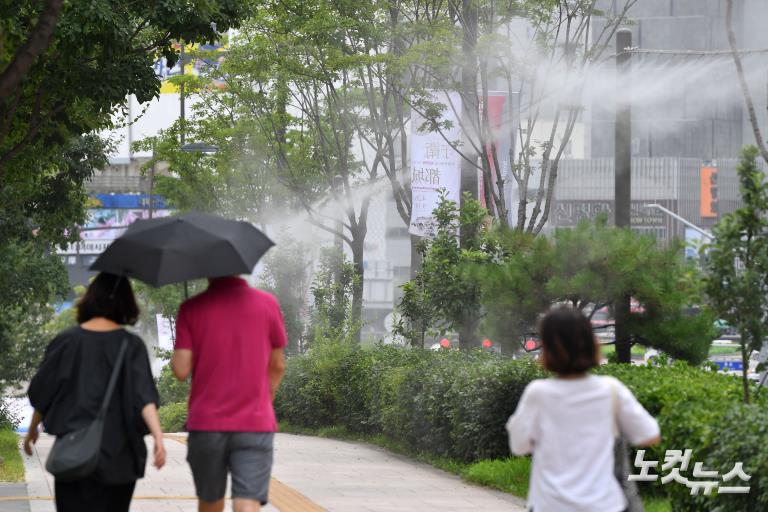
(623, 180)
(469, 103)
(182, 117)
(469, 111)
(152, 185)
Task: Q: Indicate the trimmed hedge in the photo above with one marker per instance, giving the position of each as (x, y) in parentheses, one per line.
(455, 404)
(173, 417)
(445, 403)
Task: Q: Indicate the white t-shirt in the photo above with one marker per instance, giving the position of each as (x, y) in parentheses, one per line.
(568, 426)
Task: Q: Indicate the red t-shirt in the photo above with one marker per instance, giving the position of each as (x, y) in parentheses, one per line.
(231, 329)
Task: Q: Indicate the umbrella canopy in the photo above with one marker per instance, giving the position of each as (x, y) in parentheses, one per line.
(181, 248)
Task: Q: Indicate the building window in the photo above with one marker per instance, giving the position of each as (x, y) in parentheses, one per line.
(401, 232)
(400, 271)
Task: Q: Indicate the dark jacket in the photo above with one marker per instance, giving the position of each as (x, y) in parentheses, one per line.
(69, 387)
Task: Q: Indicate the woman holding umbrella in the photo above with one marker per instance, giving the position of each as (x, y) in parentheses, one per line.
(99, 369)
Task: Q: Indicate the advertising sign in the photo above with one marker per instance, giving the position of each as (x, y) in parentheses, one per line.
(568, 213)
(110, 223)
(198, 59)
(129, 201)
(708, 206)
(435, 165)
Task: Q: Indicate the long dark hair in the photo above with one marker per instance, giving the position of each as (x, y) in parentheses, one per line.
(111, 297)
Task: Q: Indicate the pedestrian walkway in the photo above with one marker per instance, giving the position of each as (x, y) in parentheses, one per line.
(310, 475)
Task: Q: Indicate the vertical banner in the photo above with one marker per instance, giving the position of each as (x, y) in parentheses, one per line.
(435, 165)
(499, 122)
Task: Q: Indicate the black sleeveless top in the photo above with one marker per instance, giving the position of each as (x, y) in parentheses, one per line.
(69, 387)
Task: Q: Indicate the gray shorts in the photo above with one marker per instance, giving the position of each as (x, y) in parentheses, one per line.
(246, 455)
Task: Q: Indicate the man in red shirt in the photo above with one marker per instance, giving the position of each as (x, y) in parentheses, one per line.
(231, 339)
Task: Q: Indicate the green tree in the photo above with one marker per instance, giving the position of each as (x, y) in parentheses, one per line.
(444, 296)
(31, 280)
(332, 296)
(286, 275)
(290, 88)
(165, 301)
(65, 69)
(69, 80)
(737, 262)
(237, 181)
(472, 48)
(590, 267)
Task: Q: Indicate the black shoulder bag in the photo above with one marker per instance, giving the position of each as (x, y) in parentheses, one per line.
(75, 456)
(621, 467)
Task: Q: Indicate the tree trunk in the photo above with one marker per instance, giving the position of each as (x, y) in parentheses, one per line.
(469, 107)
(749, 104)
(622, 310)
(745, 342)
(468, 331)
(416, 259)
(357, 287)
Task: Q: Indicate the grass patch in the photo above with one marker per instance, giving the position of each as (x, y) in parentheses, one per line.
(656, 504)
(507, 475)
(13, 468)
(637, 350)
(714, 351)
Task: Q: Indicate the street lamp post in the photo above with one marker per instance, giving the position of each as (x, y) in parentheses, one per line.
(682, 220)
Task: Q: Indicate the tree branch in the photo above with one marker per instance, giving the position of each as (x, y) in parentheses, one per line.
(742, 80)
(39, 39)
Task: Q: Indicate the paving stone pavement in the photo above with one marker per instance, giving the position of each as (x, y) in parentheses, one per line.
(8, 490)
(351, 477)
(337, 476)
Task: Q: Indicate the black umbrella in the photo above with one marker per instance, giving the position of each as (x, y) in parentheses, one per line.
(181, 248)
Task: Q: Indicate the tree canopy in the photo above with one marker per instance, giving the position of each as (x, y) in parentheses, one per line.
(66, 69)
(737, 262)
(506, 279)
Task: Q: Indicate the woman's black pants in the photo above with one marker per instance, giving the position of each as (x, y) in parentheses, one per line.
(93, 496)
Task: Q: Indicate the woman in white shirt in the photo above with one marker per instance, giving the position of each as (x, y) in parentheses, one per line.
(567, 422)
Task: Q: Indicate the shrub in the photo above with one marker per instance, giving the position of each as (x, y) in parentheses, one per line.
(508, 475)
(9, 419)
(171, 390)
(455, 404)
(173, 417)
(738, 436)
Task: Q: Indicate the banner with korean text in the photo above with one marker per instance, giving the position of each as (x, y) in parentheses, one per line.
(435, 164)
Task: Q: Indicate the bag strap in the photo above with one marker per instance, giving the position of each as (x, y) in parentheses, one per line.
(615, 410)
(113, 377)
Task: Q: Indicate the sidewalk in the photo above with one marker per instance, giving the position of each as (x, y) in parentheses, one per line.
(310, 475)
